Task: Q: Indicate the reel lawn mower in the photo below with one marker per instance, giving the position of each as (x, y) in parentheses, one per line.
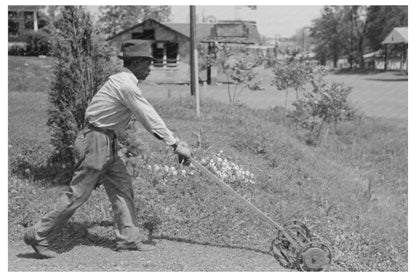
(294, 247)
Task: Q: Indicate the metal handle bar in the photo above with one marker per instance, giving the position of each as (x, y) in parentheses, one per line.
(253, 208)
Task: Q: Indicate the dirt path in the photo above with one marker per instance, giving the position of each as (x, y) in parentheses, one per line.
(169, 256)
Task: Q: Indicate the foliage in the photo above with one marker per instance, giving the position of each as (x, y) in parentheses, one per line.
(117, 18)
(380, 22)
(329, 34)
(238, 65)
(353, 30)
(37, 43)
(17, 50)
(327, 103)
(295, 71)
(83, 64)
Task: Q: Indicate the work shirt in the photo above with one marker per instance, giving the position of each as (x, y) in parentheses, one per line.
(118, 100)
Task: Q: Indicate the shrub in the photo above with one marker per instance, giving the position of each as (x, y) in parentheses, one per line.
(83, 64)
(327, 103)
(295, 72)
(37, 43)
(238, 66)
(17, 50)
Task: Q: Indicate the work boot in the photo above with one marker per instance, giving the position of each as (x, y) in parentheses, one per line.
(138, 246)
(41, 249)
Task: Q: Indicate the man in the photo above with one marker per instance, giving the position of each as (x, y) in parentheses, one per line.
(96, 156)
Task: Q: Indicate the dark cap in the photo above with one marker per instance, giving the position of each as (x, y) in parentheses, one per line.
(136, 48)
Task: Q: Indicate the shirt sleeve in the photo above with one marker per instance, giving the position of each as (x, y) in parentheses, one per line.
(147, 115)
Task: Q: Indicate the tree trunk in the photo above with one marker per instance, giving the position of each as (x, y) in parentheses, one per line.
(361, 44)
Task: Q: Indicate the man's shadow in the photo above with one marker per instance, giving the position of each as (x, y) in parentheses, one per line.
(74, 234)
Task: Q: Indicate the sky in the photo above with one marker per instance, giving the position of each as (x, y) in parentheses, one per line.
(271, 19)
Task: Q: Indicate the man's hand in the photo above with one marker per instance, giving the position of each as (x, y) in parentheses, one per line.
(183, 151)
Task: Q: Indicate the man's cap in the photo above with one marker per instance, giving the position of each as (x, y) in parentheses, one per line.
(136, 48)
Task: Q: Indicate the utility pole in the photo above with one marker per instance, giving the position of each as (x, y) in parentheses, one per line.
(352, 38)
(194, 60)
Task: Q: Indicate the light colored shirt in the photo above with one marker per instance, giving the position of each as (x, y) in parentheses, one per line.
(118, 100)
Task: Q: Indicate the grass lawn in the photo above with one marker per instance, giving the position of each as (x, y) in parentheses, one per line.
(350, 190)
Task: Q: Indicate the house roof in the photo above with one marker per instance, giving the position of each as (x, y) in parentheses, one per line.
(397, 35)
(234, 31)
(202, 29)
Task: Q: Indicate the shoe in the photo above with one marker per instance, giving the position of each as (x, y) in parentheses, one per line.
(136, 247)
(41, 249)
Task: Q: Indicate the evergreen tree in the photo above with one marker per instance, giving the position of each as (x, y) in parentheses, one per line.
(82, 66)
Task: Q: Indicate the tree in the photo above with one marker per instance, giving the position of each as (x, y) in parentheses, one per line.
(329, 33)
(380, 22)
(82, 66)
(354, 24)
(117, 18)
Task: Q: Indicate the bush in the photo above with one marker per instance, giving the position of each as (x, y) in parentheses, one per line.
(296, 71)
(326, 104)
(37, 43)
(17, 50)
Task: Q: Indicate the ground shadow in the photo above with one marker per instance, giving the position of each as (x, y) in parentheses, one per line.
(347, 71)
(366, 71)
(387, 80)
(185, 240)
(30, 256)
(75, 234)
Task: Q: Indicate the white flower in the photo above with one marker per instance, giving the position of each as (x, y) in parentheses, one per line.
(173, 168)
(174, 173)
(166, 168)
(183, 172)
(156, 167)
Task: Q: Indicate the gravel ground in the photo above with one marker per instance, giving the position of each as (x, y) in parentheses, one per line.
(169, 256)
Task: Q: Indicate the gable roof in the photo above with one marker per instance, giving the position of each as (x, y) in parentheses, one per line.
(202, 29)
(397, 35)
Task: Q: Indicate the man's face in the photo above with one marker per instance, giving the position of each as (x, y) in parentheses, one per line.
(141, 68)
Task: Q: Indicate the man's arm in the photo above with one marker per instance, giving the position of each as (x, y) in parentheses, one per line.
(147, 115)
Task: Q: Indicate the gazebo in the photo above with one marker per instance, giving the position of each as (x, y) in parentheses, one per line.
(397, 36)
